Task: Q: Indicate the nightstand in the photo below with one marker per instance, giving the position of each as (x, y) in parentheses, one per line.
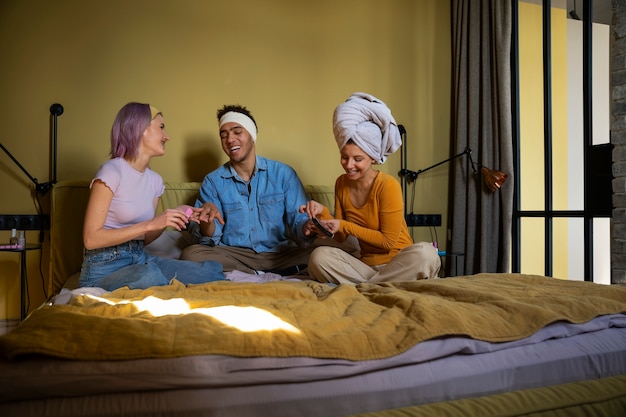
(23, 278)
(453, 264)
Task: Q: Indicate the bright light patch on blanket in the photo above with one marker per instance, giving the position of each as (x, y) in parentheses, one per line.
(159, 308)
(245, 319)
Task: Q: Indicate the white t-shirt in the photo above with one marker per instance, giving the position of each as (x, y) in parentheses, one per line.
(133, 192)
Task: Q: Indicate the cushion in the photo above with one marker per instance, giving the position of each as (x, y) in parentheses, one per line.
(170, 244)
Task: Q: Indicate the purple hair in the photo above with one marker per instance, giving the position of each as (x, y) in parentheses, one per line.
(130, 123)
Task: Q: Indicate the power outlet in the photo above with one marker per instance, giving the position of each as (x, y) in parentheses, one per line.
(24, 221)
(416, 220)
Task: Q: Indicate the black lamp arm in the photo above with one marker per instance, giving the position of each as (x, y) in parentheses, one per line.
(33, 179)
(55, 110)
(39, 187)
(412, 175)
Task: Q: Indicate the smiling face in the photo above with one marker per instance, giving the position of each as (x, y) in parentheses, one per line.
(236, 142)
(154, 138)
(355, 162)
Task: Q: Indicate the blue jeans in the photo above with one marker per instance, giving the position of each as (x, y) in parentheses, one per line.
(129, 265)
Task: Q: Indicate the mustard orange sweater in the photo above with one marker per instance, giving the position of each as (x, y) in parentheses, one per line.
(379, 224)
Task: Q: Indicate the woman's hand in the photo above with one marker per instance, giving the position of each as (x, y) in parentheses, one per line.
(192, 213)
(331, 225)
(176, 218)
(312, 208)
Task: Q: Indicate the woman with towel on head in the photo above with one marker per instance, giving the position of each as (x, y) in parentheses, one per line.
(368, 204)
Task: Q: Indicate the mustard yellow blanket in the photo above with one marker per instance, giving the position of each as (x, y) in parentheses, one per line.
(305, 318)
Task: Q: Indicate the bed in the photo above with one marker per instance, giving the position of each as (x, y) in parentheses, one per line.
(267, 345)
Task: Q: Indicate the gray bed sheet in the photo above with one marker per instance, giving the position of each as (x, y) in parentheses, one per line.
(214, 385)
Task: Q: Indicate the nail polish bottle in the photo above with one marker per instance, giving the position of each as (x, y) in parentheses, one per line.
(13, 240)
(21, 239)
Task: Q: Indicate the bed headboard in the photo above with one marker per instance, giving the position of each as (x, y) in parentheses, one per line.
(67, 213)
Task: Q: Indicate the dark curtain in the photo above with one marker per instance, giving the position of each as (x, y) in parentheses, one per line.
(481, 120)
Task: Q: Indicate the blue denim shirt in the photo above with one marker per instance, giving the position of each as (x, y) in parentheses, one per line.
(261, 219)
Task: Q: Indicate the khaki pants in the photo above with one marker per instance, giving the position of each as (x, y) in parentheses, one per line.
(418, 261)
(249, 261)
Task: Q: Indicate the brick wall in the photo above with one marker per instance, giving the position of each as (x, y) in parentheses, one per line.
(618, 138)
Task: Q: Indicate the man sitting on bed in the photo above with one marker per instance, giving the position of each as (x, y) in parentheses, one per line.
(250, 220)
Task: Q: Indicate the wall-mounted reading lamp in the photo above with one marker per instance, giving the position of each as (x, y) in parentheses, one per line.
(492, 179)
(42, 188)
(40, 221)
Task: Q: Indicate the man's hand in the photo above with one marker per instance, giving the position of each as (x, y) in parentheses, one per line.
(209, 212)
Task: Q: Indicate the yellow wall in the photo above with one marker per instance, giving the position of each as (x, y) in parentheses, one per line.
(532, 136)
(291, 62)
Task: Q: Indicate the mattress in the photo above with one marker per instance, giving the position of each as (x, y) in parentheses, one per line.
(435, 370)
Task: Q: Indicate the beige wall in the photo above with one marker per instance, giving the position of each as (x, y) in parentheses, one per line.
(291, 62)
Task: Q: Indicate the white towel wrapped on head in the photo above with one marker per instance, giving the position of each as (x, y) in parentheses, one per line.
(369, 123)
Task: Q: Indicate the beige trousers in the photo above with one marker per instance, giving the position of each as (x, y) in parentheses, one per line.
(246, 260)
(418, 261)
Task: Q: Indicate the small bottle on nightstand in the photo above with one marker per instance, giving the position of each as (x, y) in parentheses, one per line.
(21, 239)
(13, 240)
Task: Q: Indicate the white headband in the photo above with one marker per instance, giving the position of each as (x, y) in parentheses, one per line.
(242, 119)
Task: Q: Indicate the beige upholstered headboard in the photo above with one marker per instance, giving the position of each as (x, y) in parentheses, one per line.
(68, 204)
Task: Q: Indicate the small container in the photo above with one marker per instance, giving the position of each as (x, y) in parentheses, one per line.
(13, 240)
(21, 239)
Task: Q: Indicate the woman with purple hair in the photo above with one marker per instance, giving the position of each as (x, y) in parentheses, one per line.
(120, 217)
